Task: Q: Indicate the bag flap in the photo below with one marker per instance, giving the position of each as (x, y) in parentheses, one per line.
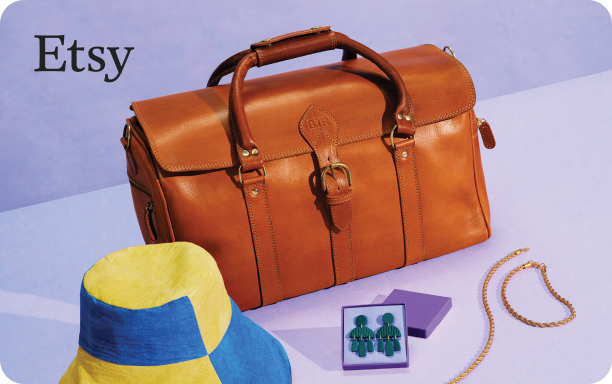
(190, 131)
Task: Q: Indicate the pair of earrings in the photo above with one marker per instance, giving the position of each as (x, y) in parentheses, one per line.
(387, 336)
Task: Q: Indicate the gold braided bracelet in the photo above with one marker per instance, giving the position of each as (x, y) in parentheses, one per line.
(530, 264)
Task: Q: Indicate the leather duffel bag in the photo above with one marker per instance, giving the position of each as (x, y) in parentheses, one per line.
(312, 178)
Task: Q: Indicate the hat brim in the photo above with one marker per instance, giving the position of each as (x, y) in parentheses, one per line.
(246, 354)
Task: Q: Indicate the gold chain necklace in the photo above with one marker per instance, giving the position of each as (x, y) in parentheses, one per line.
(530, 264)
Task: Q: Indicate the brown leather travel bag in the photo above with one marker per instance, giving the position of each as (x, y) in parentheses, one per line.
(308, 179)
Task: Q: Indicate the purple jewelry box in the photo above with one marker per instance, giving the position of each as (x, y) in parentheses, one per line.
(423, 312)
(403, 364)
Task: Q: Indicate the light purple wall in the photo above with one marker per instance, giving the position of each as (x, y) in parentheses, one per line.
(59, 132)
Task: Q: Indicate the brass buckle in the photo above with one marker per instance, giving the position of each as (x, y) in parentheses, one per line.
(240, 173)
(391, 136)
(331, 167)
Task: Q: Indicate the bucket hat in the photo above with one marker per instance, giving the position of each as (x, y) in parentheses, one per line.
(160, 314)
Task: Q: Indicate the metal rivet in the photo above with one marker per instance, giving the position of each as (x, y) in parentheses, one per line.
(404, 154)
(255, 151)
(255, 192)
(245, 153)
(408, 117)
(399, 116)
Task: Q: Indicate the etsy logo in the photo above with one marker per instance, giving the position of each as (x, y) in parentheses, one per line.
(94, 55)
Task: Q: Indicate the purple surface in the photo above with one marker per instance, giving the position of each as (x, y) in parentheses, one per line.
(355, 367)
(423, 312)
(59, 131)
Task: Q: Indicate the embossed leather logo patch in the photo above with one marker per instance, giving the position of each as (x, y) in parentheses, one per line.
(317, 121)
(320, 129)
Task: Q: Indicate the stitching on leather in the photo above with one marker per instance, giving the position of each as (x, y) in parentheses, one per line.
(146, 128)
(341, 199)
(364, 137)
(262, 284)
(350, 244)
(400, 179)
(275, 156)
(306, 136)
(300, 151)
(489, 142)
(333, 39)
(315, 144)
(260, 58)
(491, 139)
(271, 228)
(477, 189)
(334, 254)
(332, 209)
(418, 193)
(470, 84)
(289, 35)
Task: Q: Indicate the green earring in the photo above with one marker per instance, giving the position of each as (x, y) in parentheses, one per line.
(362, 337)
(387, 336)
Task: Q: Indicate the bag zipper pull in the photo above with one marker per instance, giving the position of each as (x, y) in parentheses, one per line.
(486, 133)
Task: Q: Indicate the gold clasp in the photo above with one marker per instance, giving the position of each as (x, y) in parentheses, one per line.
(331, 167)
(533, 264)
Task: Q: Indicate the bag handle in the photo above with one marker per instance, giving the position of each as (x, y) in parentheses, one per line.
(295, 45)
(228, 66)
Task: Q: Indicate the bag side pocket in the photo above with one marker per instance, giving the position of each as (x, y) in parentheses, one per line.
(145, 206)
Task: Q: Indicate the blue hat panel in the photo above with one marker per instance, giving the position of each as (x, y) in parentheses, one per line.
(152, 336)
(245, 341)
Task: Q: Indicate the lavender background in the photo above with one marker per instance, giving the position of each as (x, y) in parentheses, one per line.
(59, 131)
(548, 179)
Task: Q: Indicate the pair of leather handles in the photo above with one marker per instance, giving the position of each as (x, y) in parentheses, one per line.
(291, 46)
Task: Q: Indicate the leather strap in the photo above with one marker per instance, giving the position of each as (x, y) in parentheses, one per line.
(320, 129)
(262, 232)
(410, 199)
(296, 46)
(339, 202)
(226, 67)
(487, 135)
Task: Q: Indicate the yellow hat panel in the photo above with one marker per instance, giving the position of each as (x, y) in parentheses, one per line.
(213, 311)
(87, 369)
(132, 279)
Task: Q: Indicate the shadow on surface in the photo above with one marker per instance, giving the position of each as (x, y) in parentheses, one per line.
(379, 299)
(322, 346)
(36, 350)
